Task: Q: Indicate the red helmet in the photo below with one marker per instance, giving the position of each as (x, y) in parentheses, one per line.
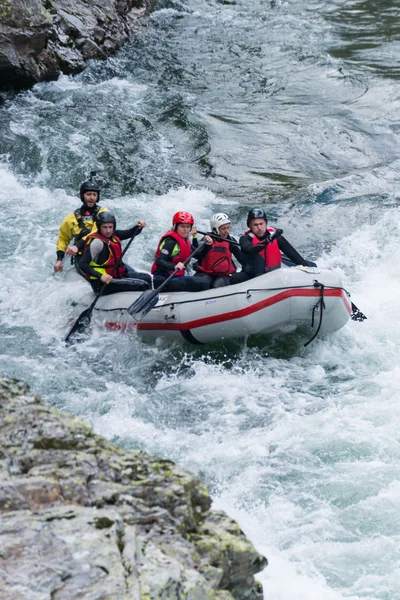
(182, 217)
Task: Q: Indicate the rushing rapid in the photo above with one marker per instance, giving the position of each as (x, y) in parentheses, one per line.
(220, 106)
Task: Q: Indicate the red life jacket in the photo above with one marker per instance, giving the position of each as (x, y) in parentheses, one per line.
(115, 252)
(271, 253)
(185, 250)
(218, 260)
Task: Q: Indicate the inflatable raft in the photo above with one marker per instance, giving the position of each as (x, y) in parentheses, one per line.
(276, 303)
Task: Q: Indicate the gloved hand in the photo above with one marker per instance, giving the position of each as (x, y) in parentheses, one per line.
(267, 239)
(277, 234)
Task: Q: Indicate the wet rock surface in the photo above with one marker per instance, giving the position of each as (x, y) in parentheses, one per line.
(82, 519)
(40, 39)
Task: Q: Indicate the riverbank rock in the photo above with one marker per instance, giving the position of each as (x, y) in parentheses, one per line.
(80, 519)
(39, 39)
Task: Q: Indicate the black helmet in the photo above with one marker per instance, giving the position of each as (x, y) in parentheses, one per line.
(90, 186)
(256, 213)
(105, 217)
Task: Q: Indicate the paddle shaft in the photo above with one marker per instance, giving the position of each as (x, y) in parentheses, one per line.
(221, 239)
(356, 314)
(155, 293)
(218, 237)
(185, 262)
(84, 318)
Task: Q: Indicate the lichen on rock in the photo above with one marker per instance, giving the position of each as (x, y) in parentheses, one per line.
(82, 519)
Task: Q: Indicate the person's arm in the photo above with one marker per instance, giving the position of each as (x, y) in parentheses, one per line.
(91, 253)
(164, 262)
(198, 251)
(195, 241)
(126, 234)
(236, 251)
(291, 253)
(65, 235)
(202, 252)
(80, 244)
(248, 247)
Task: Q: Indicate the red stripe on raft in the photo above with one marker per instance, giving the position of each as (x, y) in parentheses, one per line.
(237, 314)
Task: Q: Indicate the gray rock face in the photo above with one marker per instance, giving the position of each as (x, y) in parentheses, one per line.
(82, 519)
(40, 39)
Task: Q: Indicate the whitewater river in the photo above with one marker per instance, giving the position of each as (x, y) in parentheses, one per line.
(221, 106)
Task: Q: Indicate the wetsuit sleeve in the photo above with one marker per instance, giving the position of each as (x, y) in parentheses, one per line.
(80, 244)
(126, 234)
(91, 253)
(197, 252)
(236, 251)
(290, 252)
(202, 252)
(248, 247)
(65, 234)
(163, 262)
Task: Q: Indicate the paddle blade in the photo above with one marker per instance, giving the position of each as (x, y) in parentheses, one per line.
(80, 325)
(142, 305)
(356, 314)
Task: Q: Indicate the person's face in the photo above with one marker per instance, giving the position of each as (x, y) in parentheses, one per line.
(107, 229)
(183, 229)
(90, 199)
(224, 230)
(258, 227)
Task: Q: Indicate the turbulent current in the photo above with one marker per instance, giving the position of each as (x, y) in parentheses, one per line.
(221, 106)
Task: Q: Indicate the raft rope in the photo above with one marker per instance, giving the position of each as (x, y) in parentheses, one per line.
(320, 305)
(247, 292)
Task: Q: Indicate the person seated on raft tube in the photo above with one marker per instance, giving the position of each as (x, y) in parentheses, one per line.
(215, 261)
(101, 259)
(262, 246)
(173, 249)
(78, 224)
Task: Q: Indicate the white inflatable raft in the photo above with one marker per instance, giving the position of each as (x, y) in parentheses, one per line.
(275, 303)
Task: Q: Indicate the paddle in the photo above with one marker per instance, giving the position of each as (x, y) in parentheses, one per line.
(356, 314)
(83, 321)
(217, 237)
(274, 236)
(148, 299)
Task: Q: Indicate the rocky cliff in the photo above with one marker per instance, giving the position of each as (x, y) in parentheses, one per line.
(82, 519)
(41, 38)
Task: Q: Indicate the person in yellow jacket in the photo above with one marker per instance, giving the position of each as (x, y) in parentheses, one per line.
(78, 224)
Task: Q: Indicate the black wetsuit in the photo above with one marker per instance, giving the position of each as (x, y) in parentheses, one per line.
(164, 266)
(132, 280)
(254, 264)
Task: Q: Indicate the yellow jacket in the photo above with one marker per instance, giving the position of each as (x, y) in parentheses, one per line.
(73, 225)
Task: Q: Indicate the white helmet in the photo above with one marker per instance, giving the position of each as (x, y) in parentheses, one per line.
(217, 221)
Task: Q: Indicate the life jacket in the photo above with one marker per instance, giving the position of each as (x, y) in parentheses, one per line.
(85, 222)
(180, 253)
(271, 254)
(114, 257)
(218, 260)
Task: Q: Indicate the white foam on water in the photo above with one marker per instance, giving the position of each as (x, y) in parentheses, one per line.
(303, 451)
(301, 446)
